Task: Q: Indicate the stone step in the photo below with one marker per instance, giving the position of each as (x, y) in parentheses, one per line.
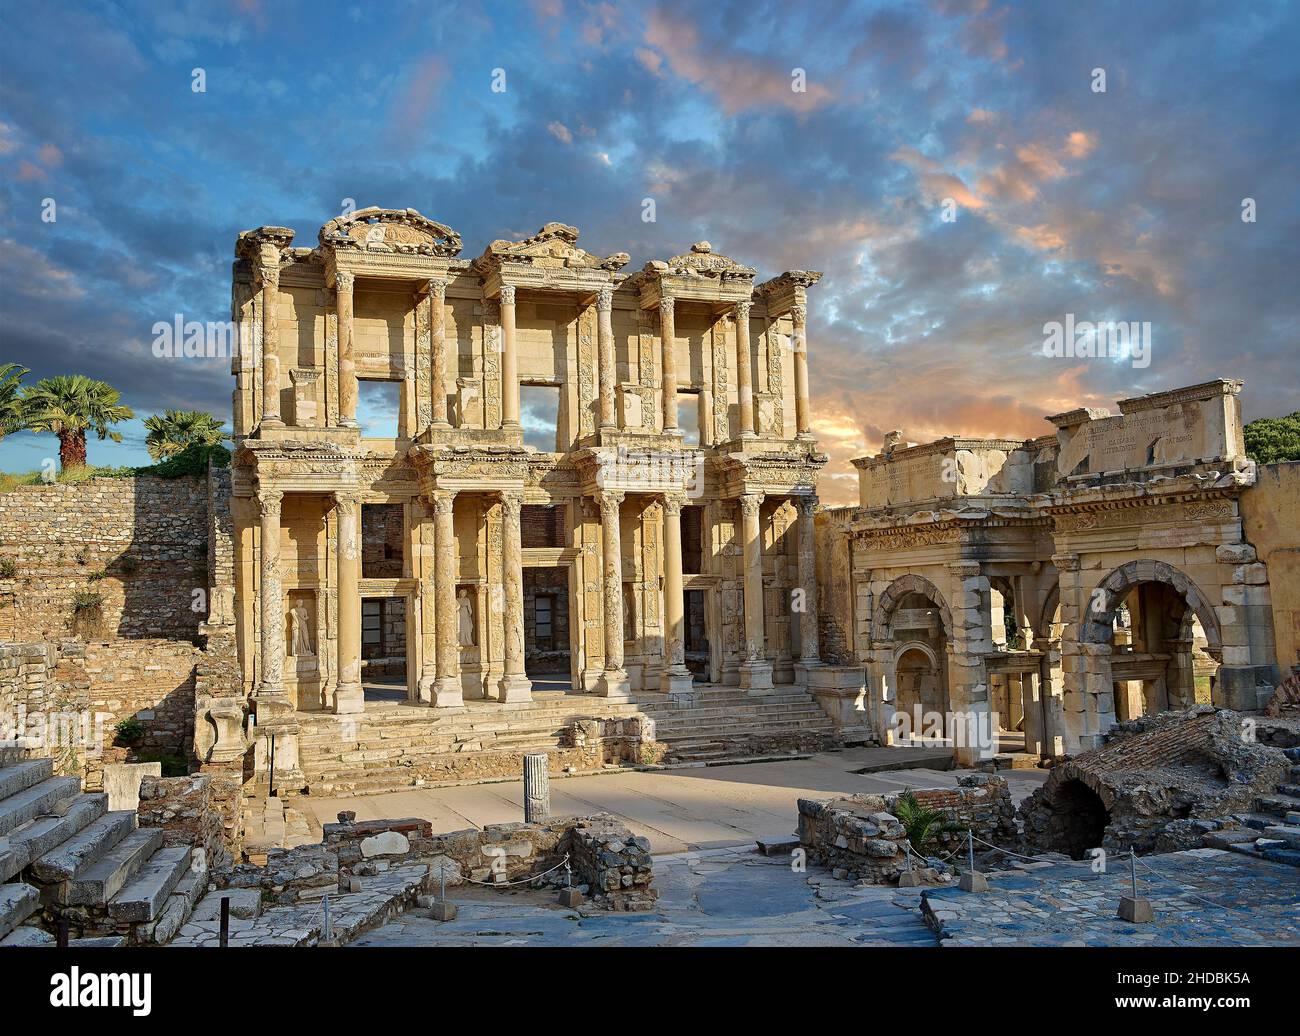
(28, 935)
(144, 895)
(1293, 817)
(84, 848)
(17, 903)
(104, 878)
(179, 906)
(1290, 789)
(1277, 804)
(1292, 753)
(1286, 833)
(39, 836)
(17, 776)
(33, 801)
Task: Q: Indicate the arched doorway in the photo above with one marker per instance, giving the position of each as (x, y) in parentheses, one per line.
(1079, 818)
(916, 626)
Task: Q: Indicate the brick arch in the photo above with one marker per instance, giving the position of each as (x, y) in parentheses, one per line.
(900, 588)
(1112, 590)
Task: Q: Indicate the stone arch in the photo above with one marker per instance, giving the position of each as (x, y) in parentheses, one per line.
(1047, 617)
(1111, 591)
(899, 589)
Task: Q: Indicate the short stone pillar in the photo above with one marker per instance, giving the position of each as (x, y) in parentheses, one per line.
(537, 787)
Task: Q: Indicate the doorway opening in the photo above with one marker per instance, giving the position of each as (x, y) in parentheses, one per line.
(383, 648)
(548, 657)
(698, 656)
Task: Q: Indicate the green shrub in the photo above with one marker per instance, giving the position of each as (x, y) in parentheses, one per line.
(85, 601)
(923, 826)
(130, 731)
(8, 568)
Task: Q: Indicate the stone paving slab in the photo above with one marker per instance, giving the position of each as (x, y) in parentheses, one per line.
(1203, 897)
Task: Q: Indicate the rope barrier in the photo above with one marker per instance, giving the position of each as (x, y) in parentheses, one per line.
(521, 881)
(1031, 859)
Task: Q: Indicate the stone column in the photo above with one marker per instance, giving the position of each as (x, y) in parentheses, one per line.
(605, 356)
(428, 605)
(348, 696)
(676, 680)
(537, 787)
(668, 337)
(343, 282)
(447, 689)
(613, 681)
(809, 649)
(755, 670)
(744, 381)
(509, 360)
(438, 349)
(969, 682)
(799, 344)
(271, 344)
(271, 597)
(513, 686)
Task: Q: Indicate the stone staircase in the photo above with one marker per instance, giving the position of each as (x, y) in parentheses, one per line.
(1273, 830)
(65, 856)
(727, 723)
(392, 746)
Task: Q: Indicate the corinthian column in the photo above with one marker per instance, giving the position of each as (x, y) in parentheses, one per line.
(343, 281)
(271, 596)
(513, 685)
(744, 381)
(605, 355)
(668, 338)
(509, 360)
(676, 680)
(438, 349)
(613, 681)
(809, 653)
(447, 690)
(802, 412)
(271, 341)
(755, 670)
(348, 696)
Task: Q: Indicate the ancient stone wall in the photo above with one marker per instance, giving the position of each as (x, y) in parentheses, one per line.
(104, 558)
(184, 808)
(1268, 518)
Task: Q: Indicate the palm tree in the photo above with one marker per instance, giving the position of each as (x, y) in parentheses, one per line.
(172, 432)
(70, 405)
(11, 403)
(923, 826)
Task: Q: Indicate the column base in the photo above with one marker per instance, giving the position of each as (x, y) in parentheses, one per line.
(424, 689)
(270, 422)
(613, 683)
(678, 683)
(349, 699)
(448, 693)
(515, 688)
(756, 676)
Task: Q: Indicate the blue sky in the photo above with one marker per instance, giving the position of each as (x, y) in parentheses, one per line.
(1122, 204)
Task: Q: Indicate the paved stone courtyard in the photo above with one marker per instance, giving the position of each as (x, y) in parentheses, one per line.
(677, 809)
(736, 897)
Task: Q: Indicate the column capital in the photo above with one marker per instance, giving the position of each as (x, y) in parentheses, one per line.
(1066, 562)
(674, 502)
(268, 502)
(507, 294)
(443, 501)
(742, 309)
(750, 504)
(964, 569)
(798, 313)
(512, 500)
(666, 305)
(610, 500)
(269, 275)
(435, 287)
(806, 503)
(605, 299)
(347, 503)
(344, 280)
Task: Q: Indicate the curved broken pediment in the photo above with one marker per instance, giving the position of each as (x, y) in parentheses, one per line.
(390, 230)
(555, 245)
(701, 261)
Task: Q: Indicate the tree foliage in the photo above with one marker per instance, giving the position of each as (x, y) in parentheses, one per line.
(70, 405)
(1273, 439)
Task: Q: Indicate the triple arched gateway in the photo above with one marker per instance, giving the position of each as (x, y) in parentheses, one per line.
(1069, 581)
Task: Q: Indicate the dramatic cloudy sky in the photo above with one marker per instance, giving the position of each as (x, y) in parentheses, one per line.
(1123, 204)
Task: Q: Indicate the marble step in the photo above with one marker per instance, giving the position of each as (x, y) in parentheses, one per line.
(17, 903)
(32, 801)
(39, 836)
(84, 848)
(143, 896)
(1286, 833)
(17, 776)
(104, 878)
(1278, 804)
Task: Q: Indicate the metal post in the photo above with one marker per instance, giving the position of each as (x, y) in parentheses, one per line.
(225, 922)
(271, 775)
(1133, 864)
(326, 929)
(970, 849)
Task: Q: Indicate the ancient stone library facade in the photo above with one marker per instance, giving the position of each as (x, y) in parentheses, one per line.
(593, 530)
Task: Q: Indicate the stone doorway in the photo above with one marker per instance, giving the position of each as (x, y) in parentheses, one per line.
(548, 652)
(699, 658)
(383, 648)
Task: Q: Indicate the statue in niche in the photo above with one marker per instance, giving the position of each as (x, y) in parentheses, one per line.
(301, 644)
(464, 619)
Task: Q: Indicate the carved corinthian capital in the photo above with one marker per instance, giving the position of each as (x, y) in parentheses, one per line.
(343, 280)
(268, 502)
(605, 299)
(751, 504)
(507, 294)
